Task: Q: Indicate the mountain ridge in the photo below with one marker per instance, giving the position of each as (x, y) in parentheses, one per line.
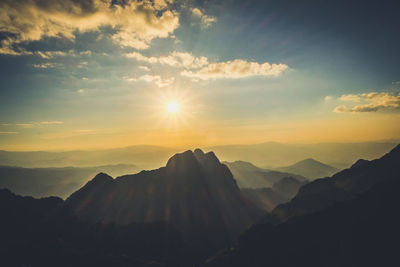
(342, 186)
(310, 168)
(193, 191)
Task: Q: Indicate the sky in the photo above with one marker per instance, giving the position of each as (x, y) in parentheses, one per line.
(100, 74)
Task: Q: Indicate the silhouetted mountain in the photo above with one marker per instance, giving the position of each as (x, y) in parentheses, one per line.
(310, 168)
(249, 176)
(42, 232)
(359, 162)
(194, 192)
(61, 182)
(268, 198)
(342, 186)
(363, 232)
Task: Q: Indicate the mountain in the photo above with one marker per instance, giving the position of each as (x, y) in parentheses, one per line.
(273, 154)
(43, 232)
(142, 156)
(342, 186)
(248, 175)
(269, 154)
(61, 182)
(310, 168)
(194, 192)
(268, 198)
(363, 231)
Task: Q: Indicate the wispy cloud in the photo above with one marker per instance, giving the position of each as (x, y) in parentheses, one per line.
(201, 68)
(45, 65)
(51, 54)
(369, 102)
(31, 124)
(236, 69)
(51, 122)
(174, 59)
(8, 133)
(20, 125)
(156, 79)
(144, 68)
(206, 21)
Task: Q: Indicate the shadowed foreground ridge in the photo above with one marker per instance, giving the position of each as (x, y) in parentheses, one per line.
(342, 186)
(350, 219)
(194, 192)
(43, 232)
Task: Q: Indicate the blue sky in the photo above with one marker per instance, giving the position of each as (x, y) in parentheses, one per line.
(93, 74)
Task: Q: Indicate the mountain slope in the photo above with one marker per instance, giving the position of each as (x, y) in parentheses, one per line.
(194, 192)
(61, 182)
(310, 168)
(363, 231)
(42, 232)
(342, 186)
(249, 176)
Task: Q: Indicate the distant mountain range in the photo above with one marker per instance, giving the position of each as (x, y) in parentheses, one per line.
(310, 168)
(270, 154)
(61, 182)
(349, 219)
(144, 157)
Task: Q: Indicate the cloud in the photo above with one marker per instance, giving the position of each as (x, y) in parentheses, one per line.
(175, 59)
(199, 68)
(144, 68)
(51, 54)
(21, 125)
(136, 23)
(236, 69)
(45, 65)
(350, 97)
(328, 98)
(51, 122)
(370, 102)
(206, 21)
(7, 133)
(156, 79)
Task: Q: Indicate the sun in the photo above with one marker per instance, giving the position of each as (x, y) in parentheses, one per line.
(173, 107)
